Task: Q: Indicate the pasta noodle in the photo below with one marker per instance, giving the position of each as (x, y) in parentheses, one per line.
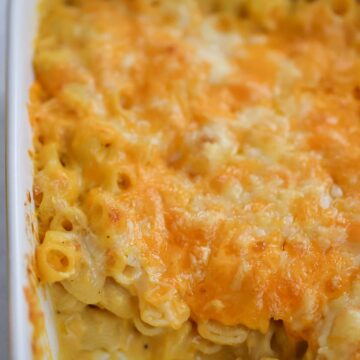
(223, 335)
(118, 301)
(56, 257)
(197, 177)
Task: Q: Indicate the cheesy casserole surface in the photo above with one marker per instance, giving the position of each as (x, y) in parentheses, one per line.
(197, 177)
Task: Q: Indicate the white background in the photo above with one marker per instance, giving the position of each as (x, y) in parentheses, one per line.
(3, 247)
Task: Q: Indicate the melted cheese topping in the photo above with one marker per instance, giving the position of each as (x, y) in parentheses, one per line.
(219, 156)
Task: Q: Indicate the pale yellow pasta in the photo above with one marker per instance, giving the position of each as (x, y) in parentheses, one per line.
(54, 178)
(346, 327)
(70, 219)
(57, 256)
(126, 270)
(205, 346)
(87, 283)
(106, 216)
(65, 302)
(97, 330)
(340, 327)
(175, 343)
(259, 345)
(171, 312)
(118, 300)
(221, 334)
(152, 316)
(83, 100)
(147, 329)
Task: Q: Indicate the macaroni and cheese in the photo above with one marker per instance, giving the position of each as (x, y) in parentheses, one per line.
(197, 177)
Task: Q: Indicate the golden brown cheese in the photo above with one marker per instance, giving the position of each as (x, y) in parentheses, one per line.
(206, 163)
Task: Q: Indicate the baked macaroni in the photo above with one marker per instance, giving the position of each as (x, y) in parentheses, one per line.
(197, 177)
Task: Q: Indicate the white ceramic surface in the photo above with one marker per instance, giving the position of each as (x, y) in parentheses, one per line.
(22, 26)
(3, 245)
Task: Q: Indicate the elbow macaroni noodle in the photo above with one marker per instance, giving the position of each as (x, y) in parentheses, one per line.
(196, 177)
(57, 256)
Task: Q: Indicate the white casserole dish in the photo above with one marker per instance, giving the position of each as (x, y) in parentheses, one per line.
(19, 173)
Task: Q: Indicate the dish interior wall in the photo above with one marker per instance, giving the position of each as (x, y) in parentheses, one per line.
(22, 30)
